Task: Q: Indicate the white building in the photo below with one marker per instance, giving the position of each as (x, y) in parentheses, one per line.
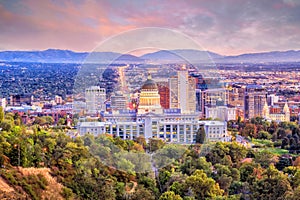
(151, 121)
(95, 128)
(213, 97)
(216, 131)
(149, 98)
(172, 126)
(183, 92)
(3, 103)
(224, 113)
(95, 98)
(79, 107)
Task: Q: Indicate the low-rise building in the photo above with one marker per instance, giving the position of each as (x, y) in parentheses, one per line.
(3, 103)
(280, 115)
(224, 113)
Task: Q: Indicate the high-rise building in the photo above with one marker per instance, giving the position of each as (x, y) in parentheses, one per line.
(255, 98)
(236, 95)
(213, 97)
(183, 92)
(118, 101)
(95, 98)
(173, 88)
(198, 100)
(271, 99)
(164, 93)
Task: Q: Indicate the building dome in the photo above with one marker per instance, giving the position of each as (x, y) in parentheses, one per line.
(149, 100)
(149, 84)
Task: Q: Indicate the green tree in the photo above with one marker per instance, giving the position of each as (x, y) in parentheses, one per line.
(200, 136)
(250, 130)
(273, 185)
(61, 121)
(1, 114)
(247, 171)
(155, 144)
(237, 152)
(6, 125)
(177, 188)
(264, 135)
(142, 193)
(40, 121)
(202, 186)
(141, 140)
(48, 120)
(265, 158)
(169, 196)
(125, 165)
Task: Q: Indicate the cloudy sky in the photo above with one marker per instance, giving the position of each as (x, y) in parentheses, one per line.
(228, 27)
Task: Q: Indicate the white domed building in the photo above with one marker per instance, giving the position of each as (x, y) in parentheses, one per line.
(151, 121)
(149, 98)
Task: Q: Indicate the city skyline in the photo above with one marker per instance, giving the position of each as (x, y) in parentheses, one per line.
(225, 27)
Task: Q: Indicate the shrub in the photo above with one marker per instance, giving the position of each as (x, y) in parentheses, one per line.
(67, 193)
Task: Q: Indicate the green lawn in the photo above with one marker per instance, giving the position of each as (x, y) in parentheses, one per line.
(268, 145)
(278, 151)
(265, 143)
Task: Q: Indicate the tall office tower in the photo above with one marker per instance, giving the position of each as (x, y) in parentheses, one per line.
(164, 93)
(118, 101)
(174, 97)
(191, 98)
(272, 98)
(183, 92)
(236, 95)
(95, 99)
(255, 98)
(200, 81)
(198, 100)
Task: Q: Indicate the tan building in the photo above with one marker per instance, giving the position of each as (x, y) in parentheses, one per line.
(118, 101)
(283, 116)
(255, 98)
(149, 98)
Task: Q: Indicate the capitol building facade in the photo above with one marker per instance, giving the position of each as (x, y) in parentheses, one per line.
(150, 120)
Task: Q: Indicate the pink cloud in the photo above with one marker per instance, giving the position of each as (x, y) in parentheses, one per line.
(227, 28)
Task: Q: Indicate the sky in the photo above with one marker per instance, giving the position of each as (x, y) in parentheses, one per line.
(227, 27)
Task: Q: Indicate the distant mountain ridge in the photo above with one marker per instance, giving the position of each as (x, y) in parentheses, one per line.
(162, 56)
(273, 56)
(66, 56)
(180, 55)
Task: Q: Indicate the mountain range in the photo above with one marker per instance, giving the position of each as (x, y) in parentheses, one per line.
(162, 56)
